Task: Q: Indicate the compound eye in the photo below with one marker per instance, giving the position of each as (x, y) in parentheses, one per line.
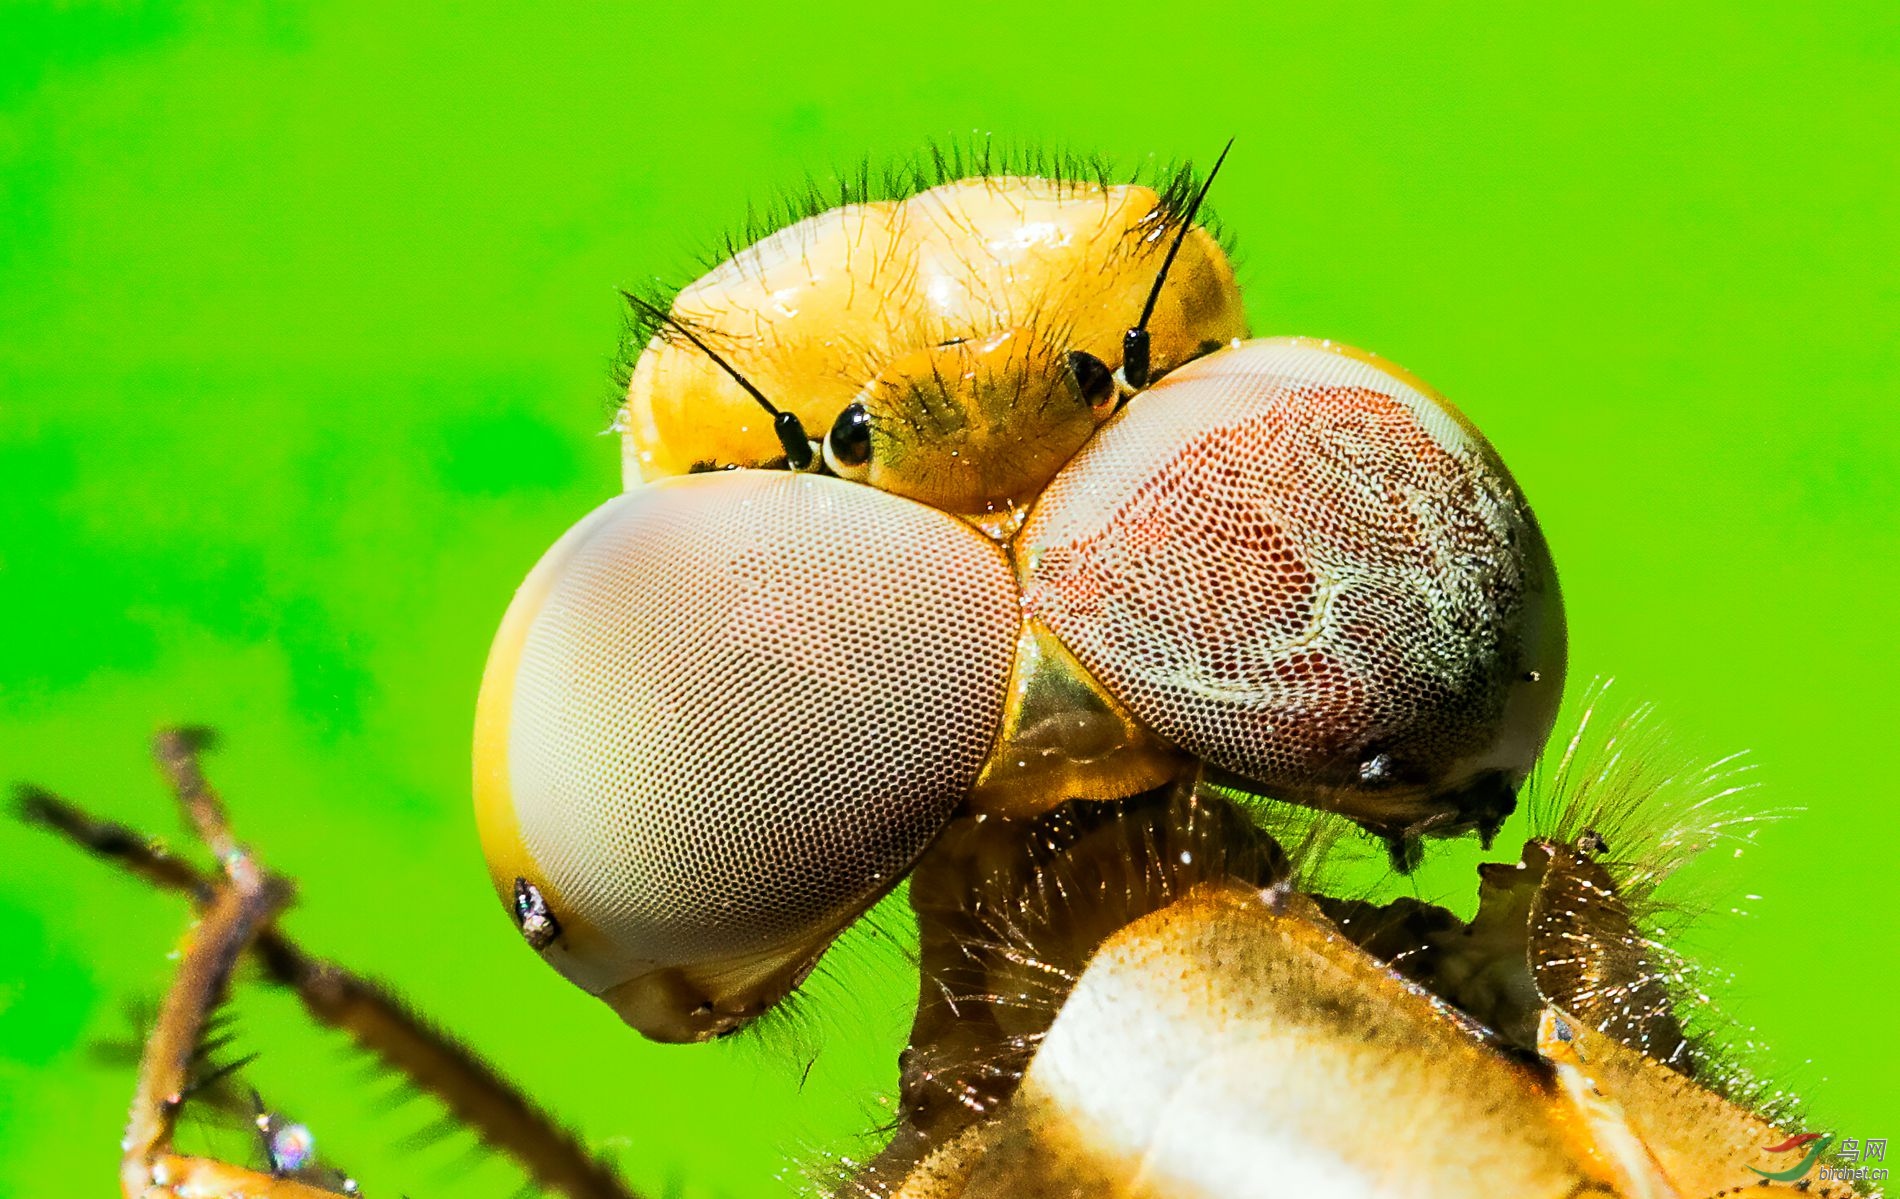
(1296, 562)
(848, 445)
(1094, 382)
(723, 715)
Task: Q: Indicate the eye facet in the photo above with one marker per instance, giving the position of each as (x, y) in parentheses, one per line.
(848, 445)
(697, 750)
(1094, 382)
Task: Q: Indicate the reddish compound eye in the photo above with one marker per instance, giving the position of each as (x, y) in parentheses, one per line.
(1297, 562)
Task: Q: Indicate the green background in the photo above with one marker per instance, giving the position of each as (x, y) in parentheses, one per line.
(304, 326)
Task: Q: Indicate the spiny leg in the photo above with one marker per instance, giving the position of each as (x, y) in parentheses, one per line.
(369, 1013)
(234, 912)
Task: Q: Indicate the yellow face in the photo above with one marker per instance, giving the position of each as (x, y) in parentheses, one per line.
(973, 427)
(953, 317)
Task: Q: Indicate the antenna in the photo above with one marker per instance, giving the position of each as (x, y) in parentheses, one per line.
(791, 433)
(1135, 342)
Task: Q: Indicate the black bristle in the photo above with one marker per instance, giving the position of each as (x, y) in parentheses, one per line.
(939, 162)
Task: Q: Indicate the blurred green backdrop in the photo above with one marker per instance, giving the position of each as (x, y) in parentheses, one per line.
(304, 324)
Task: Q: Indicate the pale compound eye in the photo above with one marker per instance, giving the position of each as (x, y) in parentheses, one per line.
(724, 714)
(1295, 561)
(848, 445)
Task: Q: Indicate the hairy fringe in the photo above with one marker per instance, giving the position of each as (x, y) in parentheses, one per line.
(1655, 808)
(1174, 183)
(1620, 777)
